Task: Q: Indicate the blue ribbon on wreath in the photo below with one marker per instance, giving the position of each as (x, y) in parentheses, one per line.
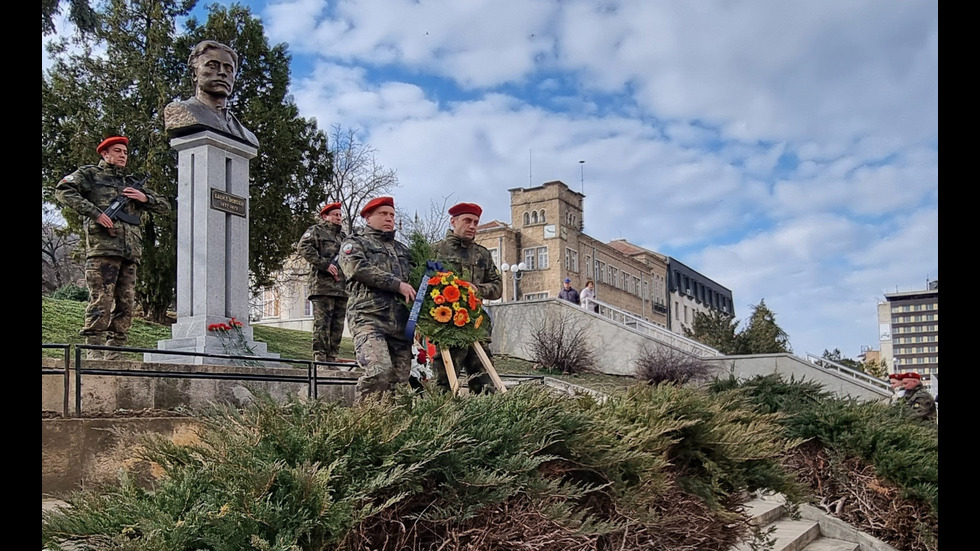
(431, 267)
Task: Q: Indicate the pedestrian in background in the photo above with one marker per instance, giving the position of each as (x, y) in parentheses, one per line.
(568, 292)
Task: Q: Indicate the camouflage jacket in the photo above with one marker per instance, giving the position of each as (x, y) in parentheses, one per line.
(89, 191)
(375, 264)
(921, 404)
(472, 262)
(320, 246)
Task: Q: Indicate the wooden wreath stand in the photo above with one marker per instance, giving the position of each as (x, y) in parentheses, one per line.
(447, 361)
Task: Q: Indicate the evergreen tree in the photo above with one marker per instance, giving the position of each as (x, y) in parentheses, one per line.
(837, 357)
(716, 329)
(762, 335)
(87, 96)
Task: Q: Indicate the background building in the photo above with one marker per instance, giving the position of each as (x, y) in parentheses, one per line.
(545, 234)
(908, 330)
(692, 292)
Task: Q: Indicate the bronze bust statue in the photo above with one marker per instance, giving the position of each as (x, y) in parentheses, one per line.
(214, 66)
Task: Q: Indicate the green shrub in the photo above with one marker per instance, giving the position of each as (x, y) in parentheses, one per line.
(71, 292)
(408, 471)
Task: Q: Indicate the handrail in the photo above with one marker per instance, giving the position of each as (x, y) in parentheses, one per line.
(63, 371)
(844, 370)
(312, 378)
(666, 336)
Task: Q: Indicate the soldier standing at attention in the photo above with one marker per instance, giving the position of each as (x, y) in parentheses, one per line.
(471, 262)
(377, 269)
(921, 405)
(114, 247)
(320, 246)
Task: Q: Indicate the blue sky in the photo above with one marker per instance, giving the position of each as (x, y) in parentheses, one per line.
(787, 150)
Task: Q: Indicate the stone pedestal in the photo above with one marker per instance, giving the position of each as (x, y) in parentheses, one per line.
(212, 250)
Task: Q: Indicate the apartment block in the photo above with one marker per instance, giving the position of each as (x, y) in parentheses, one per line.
(908, 331)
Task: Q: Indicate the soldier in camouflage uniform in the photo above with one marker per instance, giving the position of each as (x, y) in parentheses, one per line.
(320, 246)
(377, 269)
(114, 248)
(921, 405)
(472, 262)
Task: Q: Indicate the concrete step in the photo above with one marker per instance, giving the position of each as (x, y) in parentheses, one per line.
(794, 535)
(769, 514)
(831, 544)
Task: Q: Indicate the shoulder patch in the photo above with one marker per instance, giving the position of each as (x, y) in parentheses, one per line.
(348, 248)
(69, 178)
(307, 234)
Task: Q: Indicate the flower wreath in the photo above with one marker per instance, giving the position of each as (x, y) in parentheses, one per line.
(452, 313)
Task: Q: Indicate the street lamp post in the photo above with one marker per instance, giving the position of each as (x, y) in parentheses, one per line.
(515, 270)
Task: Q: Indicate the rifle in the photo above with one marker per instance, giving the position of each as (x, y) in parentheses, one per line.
(115, 210)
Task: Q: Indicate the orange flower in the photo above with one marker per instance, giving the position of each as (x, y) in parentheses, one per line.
(442, 314)
(478, 322)
(434, 280)
(462, 316)
(451, 292)
(439, 299)
(473, 301)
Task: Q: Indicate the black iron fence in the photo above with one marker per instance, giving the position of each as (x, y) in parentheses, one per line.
(81, 367)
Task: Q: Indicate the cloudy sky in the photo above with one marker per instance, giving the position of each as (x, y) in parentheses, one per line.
(787, 150)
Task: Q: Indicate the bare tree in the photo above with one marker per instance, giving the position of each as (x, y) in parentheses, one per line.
(431, 225)
(658, 364)
(357, 176)
(562, 343)
(62, 254)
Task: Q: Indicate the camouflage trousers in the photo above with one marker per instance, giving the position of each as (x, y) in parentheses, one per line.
(111, 284)
(328, 326)
(386, 361)
(465, 360)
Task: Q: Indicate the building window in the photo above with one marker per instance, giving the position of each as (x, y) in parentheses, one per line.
(571, 260)
(529, 258)
(601, 271)
(527, 219)
(495, 256)
(613, 276)
(637, 289)
(677, 310)
(534, 217)
(542, 216)
(308, 308)
(542, 258)
(270, 308)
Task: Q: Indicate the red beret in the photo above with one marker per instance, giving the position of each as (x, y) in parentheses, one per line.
(898, 376)
(466, 208)
(375, 203)
(329, 207)
(912, 375)
(112, 141)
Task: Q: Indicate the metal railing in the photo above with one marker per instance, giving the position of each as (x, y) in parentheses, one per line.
(64, 371)
(653, 330)
(847, 371)
(312, 379)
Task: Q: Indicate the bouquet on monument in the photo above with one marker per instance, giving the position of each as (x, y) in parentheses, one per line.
(452, 312)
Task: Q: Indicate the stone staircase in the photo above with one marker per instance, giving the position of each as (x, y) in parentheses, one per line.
(806, 529)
